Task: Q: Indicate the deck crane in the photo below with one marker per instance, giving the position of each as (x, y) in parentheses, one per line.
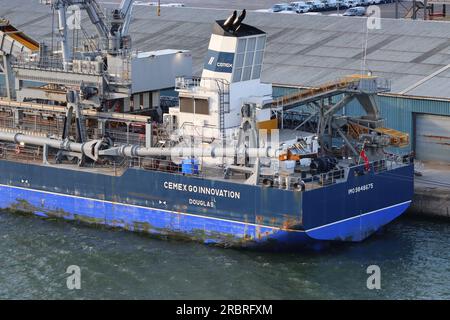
(113, 34)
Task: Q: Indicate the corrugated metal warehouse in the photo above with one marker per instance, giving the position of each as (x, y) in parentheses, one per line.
(308, 50)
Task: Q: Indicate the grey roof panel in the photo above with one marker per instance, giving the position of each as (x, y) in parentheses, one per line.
(304, 50)
(439, 85)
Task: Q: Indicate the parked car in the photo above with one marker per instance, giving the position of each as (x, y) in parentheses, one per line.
(357, 11)
(329, 4)
(300, 7)
(297, 3)
(288, 9)
(280, 7)
(315, 4)
(352, 3)
(342, 4)
(303, 8)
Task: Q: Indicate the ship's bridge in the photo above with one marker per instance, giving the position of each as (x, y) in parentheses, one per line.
(230, 77)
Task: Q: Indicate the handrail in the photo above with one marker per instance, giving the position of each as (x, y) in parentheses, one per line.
(351, 83)
(196, 82)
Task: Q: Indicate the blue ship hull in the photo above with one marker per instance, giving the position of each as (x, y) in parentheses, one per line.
(173, 205)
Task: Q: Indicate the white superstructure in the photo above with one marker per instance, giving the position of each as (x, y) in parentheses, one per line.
(211, 105)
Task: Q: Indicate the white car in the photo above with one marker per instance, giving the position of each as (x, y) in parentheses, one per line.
(351, 3)
(315, 4)
(356, 11)
(341, 4)
(303, 8)
(329, 4)
(280, 7)
(300, 6)
(297, 3)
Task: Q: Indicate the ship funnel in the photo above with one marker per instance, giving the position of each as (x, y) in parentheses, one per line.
(235, 50)
(237, 22)
(230, 21)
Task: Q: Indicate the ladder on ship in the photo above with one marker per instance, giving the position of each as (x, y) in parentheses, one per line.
(224, 106)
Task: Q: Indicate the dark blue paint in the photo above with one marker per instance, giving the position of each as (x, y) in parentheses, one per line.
(137, 200)
(219, 61)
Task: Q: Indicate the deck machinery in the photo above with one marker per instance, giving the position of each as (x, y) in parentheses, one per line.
(229, 164)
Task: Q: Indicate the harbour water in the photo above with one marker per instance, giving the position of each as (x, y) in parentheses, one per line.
(413, 256)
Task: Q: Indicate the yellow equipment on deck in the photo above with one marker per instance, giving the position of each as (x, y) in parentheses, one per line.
(398, 138)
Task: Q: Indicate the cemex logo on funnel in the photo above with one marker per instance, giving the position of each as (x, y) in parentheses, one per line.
(219, 61)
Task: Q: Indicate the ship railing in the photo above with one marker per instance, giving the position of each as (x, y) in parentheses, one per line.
(30, 62)
(389, 162)
(123, 137)
(117, 168)
(324, 179)
(29, 154)
(32, 127)
(189, 129)
(162, 165)
(154, 164)
(189, 83)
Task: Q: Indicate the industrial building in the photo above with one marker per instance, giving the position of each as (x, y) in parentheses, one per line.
(307, 51)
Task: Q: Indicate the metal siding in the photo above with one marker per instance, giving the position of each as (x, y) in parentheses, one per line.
(282, 91)
(398, 112)
(301, 49)
(432, 141)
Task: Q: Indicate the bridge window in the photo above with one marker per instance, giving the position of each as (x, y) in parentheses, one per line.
(249, 57)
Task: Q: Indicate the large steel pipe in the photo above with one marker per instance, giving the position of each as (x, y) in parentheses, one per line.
(20, 138)
(91, 148)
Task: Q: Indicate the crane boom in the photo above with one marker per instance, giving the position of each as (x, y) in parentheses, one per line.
(127, 10)
(111, 33)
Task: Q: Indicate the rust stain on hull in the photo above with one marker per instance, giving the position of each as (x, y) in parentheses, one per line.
(197, 235)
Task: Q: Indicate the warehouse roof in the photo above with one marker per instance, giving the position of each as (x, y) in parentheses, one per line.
(302, 50)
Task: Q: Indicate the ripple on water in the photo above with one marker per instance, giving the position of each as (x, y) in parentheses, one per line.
(414, 257)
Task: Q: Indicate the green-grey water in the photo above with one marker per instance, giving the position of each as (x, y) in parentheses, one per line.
(413, 255)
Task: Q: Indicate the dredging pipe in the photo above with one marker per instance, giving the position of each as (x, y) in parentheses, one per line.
(92, 148)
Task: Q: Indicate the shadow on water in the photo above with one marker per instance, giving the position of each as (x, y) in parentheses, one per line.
(413, 255)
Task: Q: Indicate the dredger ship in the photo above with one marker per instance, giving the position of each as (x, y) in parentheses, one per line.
(86, 135)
